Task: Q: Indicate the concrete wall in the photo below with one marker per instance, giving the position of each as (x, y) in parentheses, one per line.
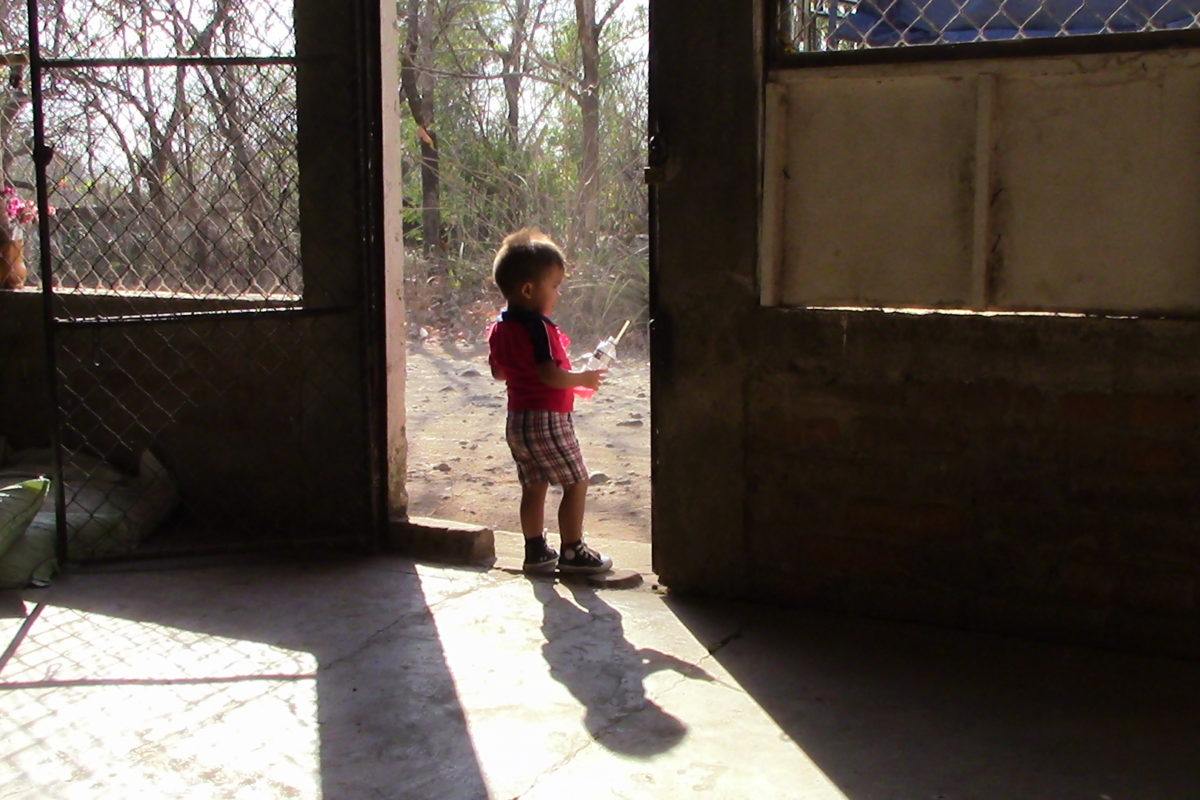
(1031, 474)
(25, 413)
(395, 329)
(260, 421)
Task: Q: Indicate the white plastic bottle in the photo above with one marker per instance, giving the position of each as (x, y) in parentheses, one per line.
(602, 357)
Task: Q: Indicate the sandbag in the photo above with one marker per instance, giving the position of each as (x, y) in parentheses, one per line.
(108, 513)
(19, 504)
(31, 561)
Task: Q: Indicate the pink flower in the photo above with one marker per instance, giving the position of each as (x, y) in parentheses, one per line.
(18, 209)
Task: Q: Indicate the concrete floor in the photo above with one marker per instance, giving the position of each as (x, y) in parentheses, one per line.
(385, 678)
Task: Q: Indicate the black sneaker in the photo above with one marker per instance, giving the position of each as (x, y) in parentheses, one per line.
(539, 556)
(579, 557)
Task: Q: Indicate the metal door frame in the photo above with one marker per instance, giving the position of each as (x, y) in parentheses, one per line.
(368, 174)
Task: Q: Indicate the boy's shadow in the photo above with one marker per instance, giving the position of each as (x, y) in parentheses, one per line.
(588, 653)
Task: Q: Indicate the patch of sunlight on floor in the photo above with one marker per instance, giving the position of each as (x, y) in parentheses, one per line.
(97, 706)
(558, 683)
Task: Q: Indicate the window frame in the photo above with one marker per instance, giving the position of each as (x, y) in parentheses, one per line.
(932, 57)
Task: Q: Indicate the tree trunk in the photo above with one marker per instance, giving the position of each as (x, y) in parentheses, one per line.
(431, 187)
(589, 111)
(512, 96)
(512, 60)
(418, 91)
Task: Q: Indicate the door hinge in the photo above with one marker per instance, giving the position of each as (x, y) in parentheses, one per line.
(656, 160)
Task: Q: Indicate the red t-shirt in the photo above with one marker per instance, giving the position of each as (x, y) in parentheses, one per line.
(520, 340)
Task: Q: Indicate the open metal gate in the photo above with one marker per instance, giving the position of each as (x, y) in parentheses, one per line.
(207, 271)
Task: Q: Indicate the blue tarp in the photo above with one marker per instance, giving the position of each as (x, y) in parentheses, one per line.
(880, 23)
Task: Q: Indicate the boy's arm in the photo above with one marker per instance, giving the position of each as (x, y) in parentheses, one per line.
(494, 362)
(556, 377)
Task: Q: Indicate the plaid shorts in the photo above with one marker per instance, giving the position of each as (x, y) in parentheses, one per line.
(544, 446)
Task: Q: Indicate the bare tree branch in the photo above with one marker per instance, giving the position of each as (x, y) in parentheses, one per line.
(608, 15)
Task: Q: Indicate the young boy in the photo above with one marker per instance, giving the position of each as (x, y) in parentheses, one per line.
(529, 353)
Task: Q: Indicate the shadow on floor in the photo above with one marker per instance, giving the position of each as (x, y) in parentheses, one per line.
(384, 693)
(587, 652)
(226, 661)
(894, 710)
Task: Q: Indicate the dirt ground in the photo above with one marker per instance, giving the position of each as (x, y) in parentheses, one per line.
(459, 466)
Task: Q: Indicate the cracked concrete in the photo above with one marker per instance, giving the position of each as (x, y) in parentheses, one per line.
(385, 678)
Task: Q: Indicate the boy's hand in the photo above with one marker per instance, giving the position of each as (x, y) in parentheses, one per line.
(558, 378)
(592, 378)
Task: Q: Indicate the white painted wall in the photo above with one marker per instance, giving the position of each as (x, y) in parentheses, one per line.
(1058, 184)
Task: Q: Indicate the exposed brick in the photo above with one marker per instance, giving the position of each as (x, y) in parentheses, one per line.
(1092, 409)
(1131, 413)
(785, 418)
(1164, 412)
(817, 431)
(904, 521)
(1034, 461)
(1156, 459)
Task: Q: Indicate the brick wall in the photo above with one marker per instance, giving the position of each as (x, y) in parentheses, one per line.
(1019, 473)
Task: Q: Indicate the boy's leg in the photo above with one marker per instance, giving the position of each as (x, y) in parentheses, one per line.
(533, 509)
(570, 512)
(577, 556)
(539, 556)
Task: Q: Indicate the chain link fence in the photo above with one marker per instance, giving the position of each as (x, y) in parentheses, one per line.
(208, 391)
(175, 181)
(824, 25)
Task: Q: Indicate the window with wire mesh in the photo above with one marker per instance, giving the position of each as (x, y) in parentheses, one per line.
(166, 179)
(824, 25)
(165, 28)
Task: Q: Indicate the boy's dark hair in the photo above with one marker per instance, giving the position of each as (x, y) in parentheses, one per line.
(525, 255)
